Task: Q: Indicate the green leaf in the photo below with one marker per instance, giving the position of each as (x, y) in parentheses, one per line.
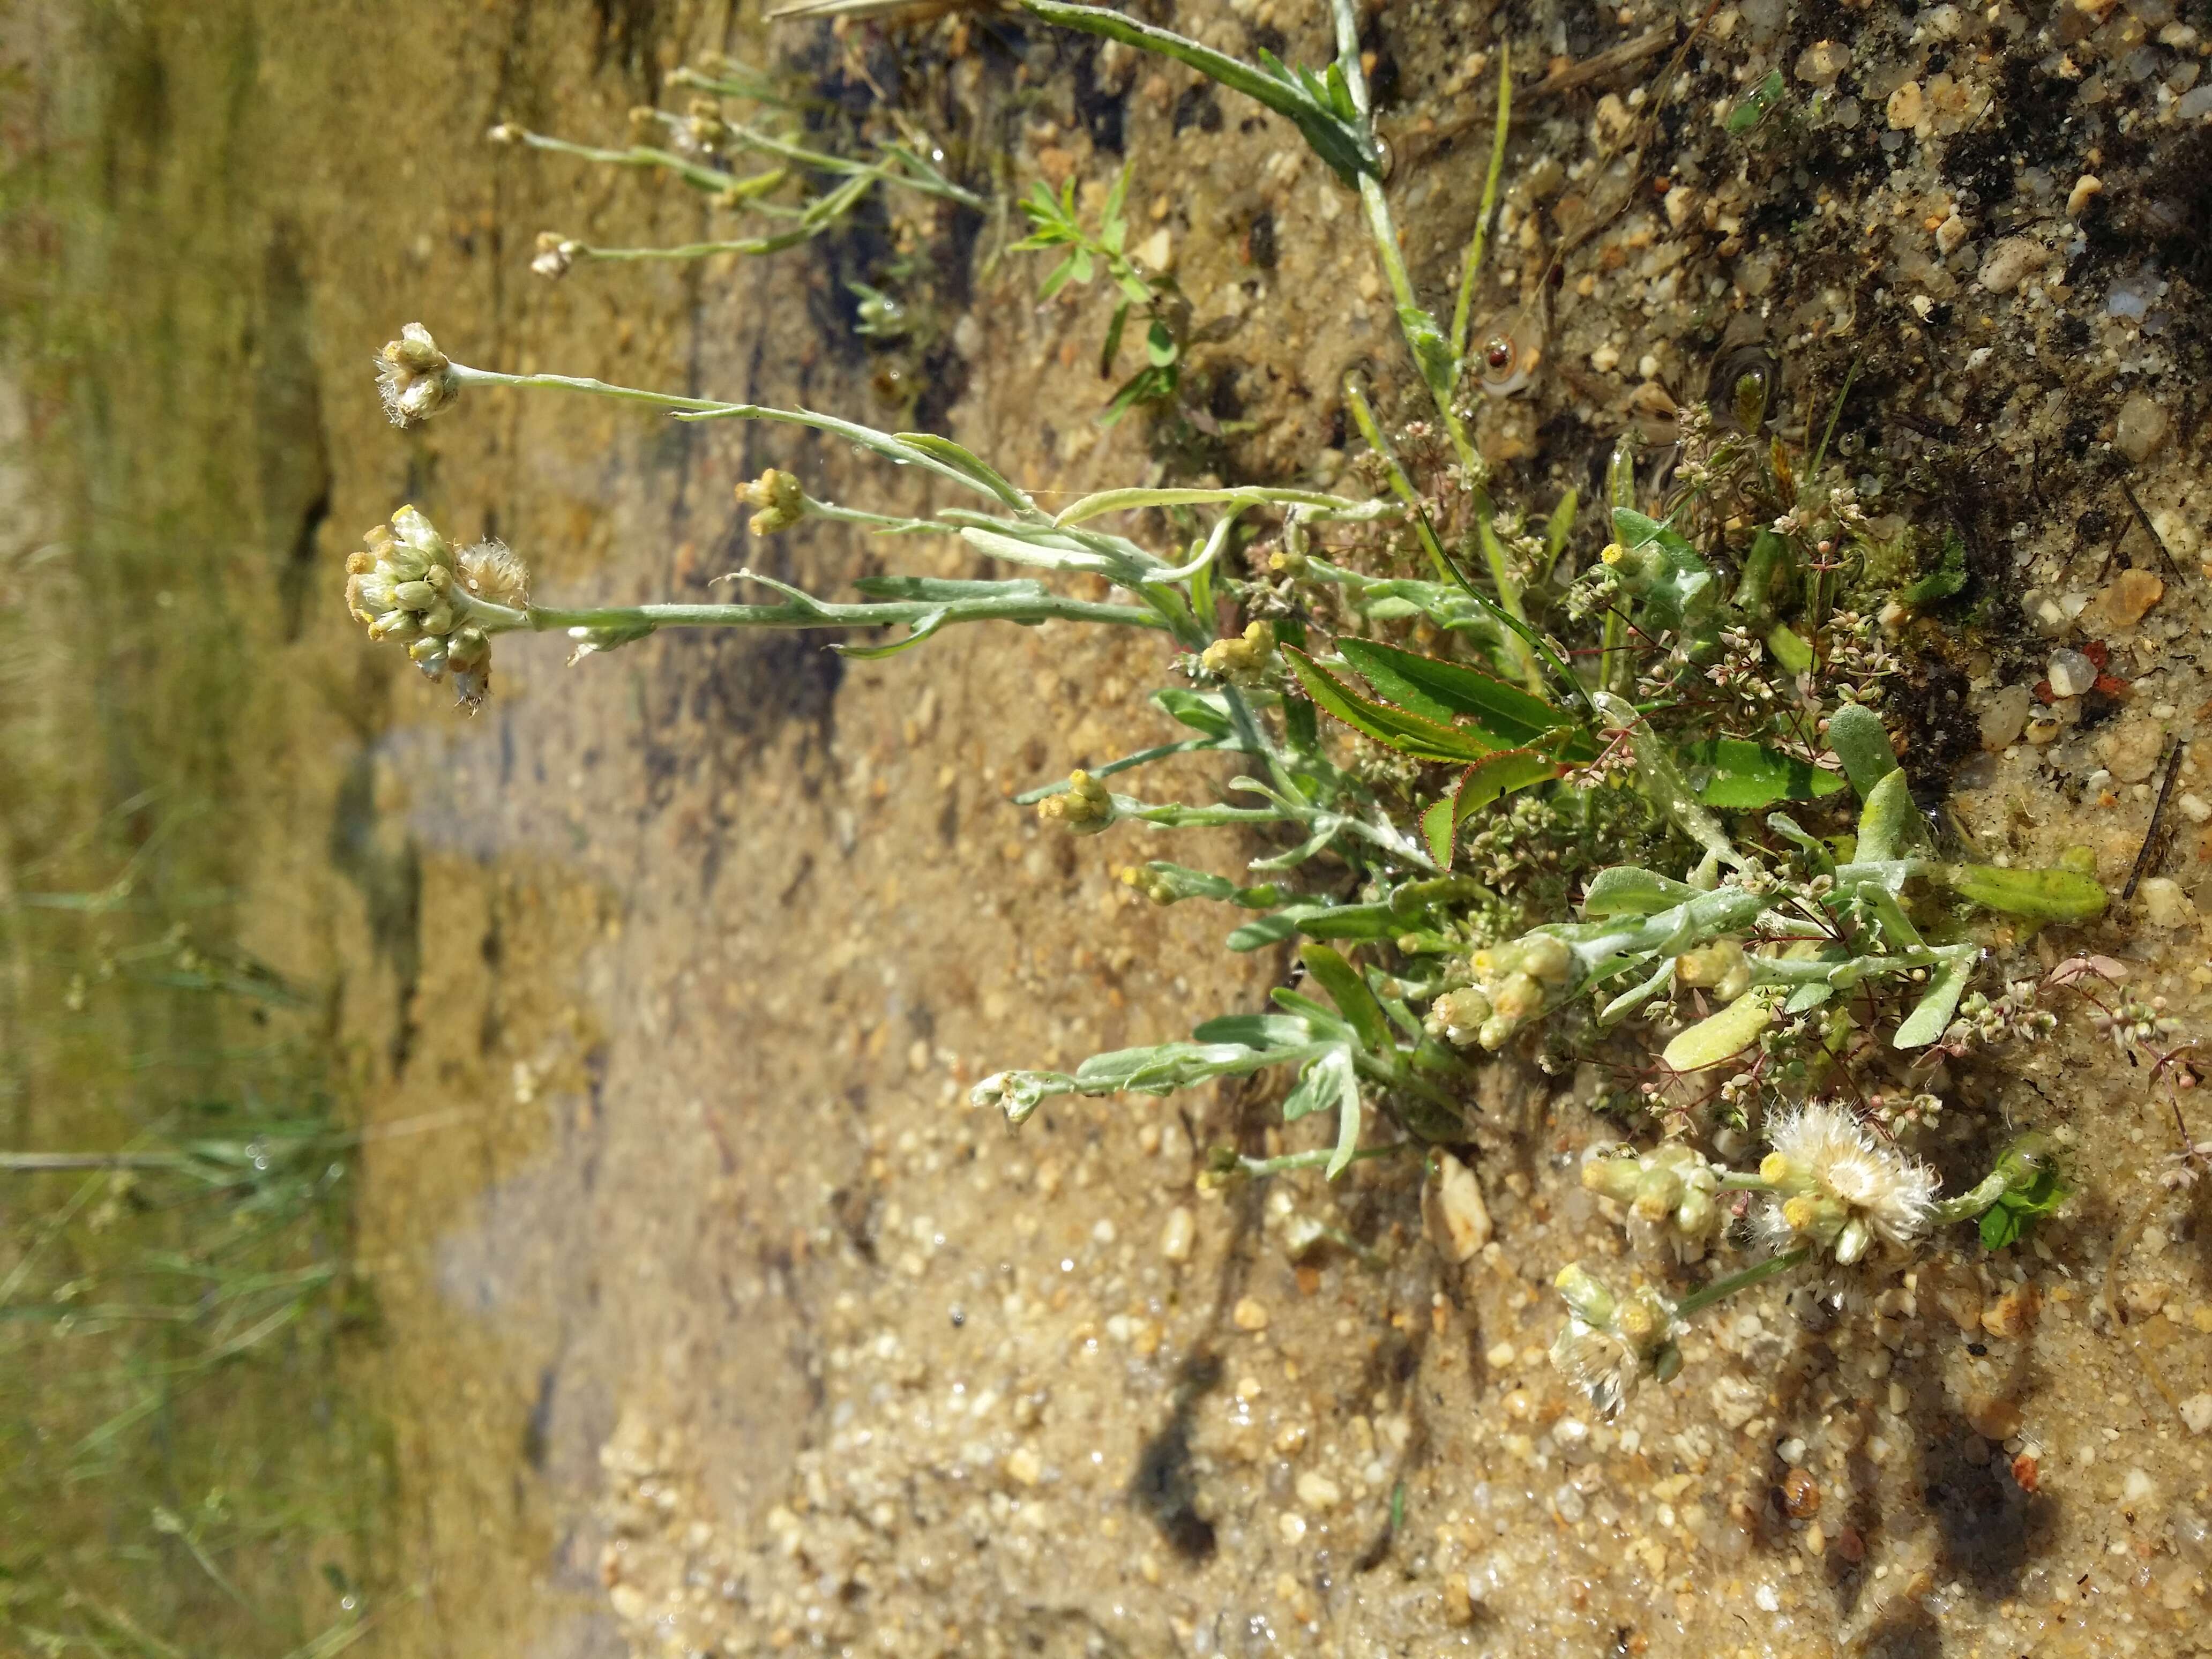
(920, 629)
(1443, 692)
(1082, 265)
(1722, 1035)
(1432, 350)
(2033, 894)
(1408, 734)
(1484, 781)
(967, 464)
(1349, 992)
(1626, 890)
(1322, 110)
(1350, 921)
(1790, 647)
(1112, 347)
(1664, 572)
(1931, 1015)
(1259, 1031)
(1740, 775)
(1886, 822)
(1059, 278)
(1160, 344)
(1752, 107)
(1948, 576)
(1202, 711)
(1855, 733)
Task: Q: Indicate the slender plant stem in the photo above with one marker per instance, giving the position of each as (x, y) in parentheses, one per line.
(1472, 263)
(747, 245)
(639, 619)
(713, 181)
(1720, 1288)
(1317, 1159)
(1971, 1202)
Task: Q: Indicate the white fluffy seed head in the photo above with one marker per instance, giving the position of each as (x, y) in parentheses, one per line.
(1829, 1152)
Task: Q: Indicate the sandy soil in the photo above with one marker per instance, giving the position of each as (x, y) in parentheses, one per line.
(714, 1320)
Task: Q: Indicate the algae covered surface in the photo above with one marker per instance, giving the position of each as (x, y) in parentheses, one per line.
(688, 1306)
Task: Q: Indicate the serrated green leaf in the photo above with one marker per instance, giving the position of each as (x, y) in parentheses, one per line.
(1740, 775)
(1494, 776)
(1408, 734)
(1442, 692)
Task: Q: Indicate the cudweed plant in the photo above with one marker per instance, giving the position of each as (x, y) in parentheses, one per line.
(1448, 716)
(703, 147)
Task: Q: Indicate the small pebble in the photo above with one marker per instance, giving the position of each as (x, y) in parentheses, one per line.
(1451, 1205)
(2086, 189)
(2131, 751)
(2008, 262)
(1250, 1314)
(1800, 1495)
(1178, 1236)
(2004, 717)
(1992, 1416)
(1025, 1466)
(2122, 602)
(2140, 428)
(2166, 904)
(2070, 673)
(2196, 1413)
(1318, 1492)
(1905, 106)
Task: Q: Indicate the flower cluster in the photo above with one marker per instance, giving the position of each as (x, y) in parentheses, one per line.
(1242, 661)
(414, 378)
(776, 500)
(1670, 1191)
(408, 584)
(1840, 1190)
(1610, 1343)
(1086, 806)
(1514, 982)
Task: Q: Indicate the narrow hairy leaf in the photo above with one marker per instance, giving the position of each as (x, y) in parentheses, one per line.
(1349, 992)
(2032, 894)
(1931, 1015)
(1626, 890)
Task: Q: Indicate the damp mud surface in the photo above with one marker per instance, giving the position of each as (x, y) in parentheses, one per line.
(710, 1317)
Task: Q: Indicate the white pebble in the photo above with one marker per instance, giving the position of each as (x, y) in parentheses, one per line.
(1180, 1233)
(2196, 1413)
(2070, 673)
